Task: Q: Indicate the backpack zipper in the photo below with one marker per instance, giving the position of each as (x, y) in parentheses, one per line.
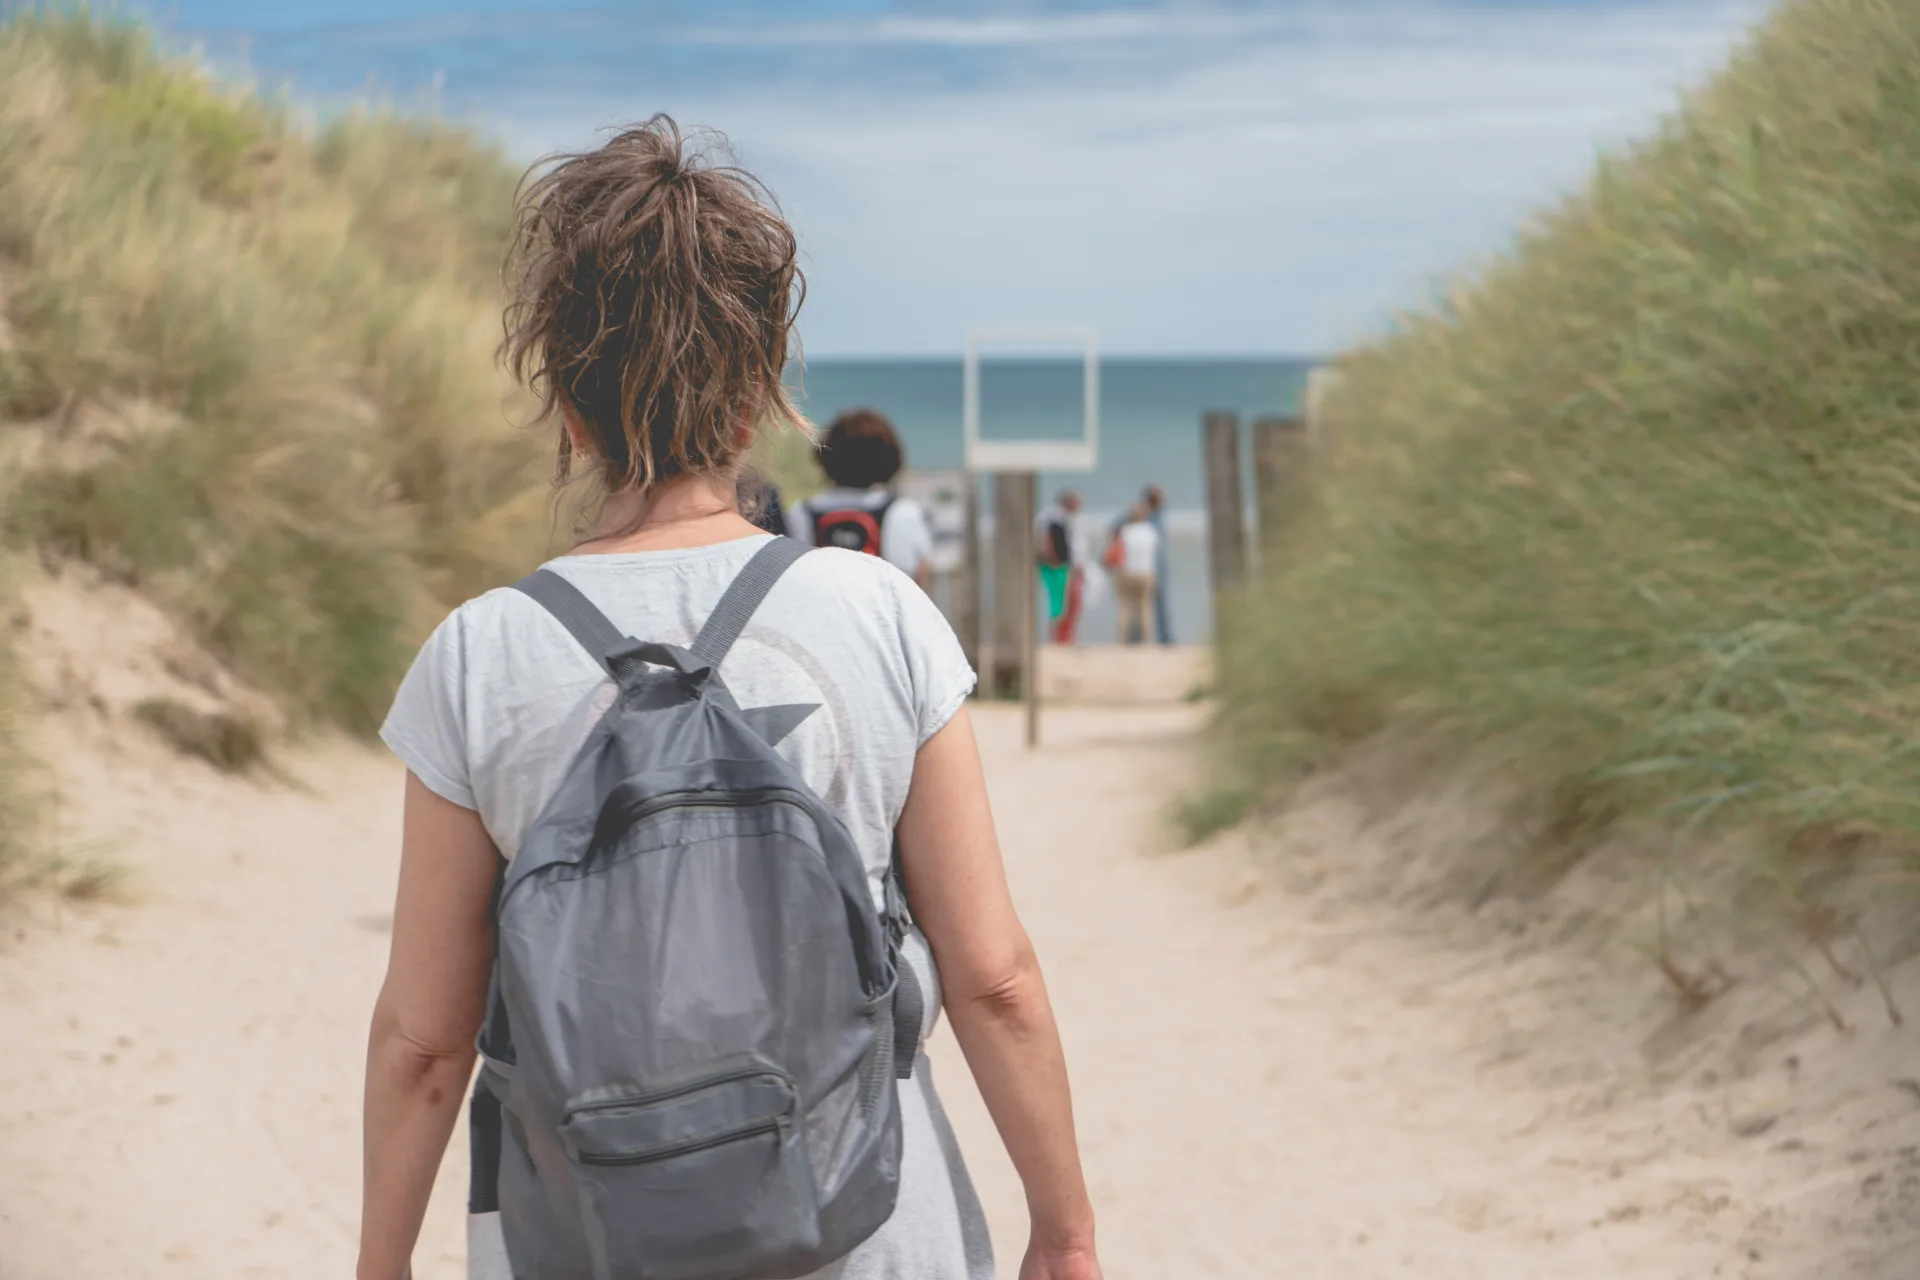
(739, 1133)
(692, 800)
(670, 1092)
(717, 800)
(661, 804)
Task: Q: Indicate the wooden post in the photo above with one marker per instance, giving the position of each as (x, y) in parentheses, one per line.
(1013, 516)
(1226, 507)
(1276, 463)
(963, 584)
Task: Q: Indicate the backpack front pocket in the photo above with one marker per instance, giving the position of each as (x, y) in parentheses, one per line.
(696, 1179)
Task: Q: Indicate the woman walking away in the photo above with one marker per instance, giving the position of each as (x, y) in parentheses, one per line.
(696, 841)
(1138, 573)
(861, 454)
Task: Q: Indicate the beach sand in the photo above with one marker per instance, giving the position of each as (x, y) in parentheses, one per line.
(1276, 1073)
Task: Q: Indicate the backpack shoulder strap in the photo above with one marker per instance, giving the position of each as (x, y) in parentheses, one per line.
(743, 596)
(579, 615)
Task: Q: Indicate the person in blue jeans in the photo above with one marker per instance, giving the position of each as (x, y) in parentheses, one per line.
(1154, 499)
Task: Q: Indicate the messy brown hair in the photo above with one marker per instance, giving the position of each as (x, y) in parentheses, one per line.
(652, 291)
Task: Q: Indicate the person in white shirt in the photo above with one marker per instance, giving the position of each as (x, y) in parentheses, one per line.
(652, 297)
(861, 455)
(1138, 573)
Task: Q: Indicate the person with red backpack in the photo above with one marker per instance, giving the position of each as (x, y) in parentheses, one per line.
(861, 455)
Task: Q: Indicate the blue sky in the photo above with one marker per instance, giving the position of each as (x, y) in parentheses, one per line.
(1185, 177)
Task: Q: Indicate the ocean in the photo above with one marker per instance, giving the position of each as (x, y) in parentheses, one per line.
(1150, 411)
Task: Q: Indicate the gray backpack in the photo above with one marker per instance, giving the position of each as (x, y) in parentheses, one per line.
(698, 1016)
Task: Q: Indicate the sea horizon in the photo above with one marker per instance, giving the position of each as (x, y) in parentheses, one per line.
(1149, 412)
(1149, 432)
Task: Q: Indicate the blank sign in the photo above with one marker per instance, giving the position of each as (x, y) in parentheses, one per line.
(1027, 407)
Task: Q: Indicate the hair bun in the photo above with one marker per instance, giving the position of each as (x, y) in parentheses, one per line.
(663, 324)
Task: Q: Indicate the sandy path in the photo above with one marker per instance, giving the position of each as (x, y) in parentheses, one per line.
(183, 1098)
(1251, 1108)
(1269, 1083)
(1312, 1082)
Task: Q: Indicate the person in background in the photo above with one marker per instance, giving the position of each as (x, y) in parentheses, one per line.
(1155, 500)
(1139, 560)
(861, 455)
(760, 502)
(1058, 549)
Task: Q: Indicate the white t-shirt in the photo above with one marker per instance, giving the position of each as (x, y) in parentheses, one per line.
(906, 536)
(1139, 548)
(860, 670)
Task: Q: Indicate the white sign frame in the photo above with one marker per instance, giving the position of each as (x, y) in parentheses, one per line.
(1033, 455)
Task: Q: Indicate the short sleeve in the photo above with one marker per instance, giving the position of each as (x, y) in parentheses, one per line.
(427, 727)
(941, 676)
(907, 541)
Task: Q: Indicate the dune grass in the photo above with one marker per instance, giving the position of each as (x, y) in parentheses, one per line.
(250, 362)
(1198, 815)
(1639, 501)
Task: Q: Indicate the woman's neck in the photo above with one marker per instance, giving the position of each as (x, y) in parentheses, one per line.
(686, 511)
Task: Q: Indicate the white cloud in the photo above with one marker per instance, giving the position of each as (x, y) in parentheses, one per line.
(1185, 179)
(1183, 183)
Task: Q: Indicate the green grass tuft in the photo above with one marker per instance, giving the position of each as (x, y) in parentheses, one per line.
(93, 880)
(1640, 501)
(1199, 815)
(228, 742)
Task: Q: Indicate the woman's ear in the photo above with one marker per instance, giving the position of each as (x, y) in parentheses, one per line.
(743, 436)
(576, 431)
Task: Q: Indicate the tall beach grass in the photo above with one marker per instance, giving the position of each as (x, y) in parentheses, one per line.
(1638, 502)
(250, 364)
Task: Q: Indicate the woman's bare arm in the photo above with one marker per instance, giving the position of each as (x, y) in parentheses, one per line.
(420, 1048)
(995, 997)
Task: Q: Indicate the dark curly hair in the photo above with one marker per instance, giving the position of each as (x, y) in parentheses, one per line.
(860, 449)
(652, 292)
